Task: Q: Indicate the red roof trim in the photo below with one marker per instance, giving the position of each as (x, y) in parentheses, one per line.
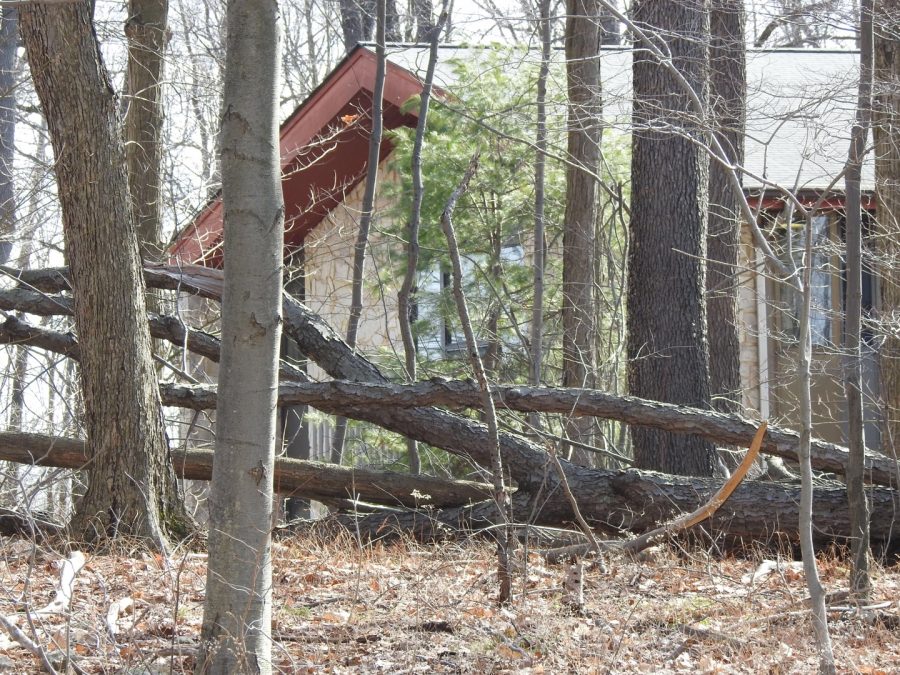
(776, 201)
(347, 91)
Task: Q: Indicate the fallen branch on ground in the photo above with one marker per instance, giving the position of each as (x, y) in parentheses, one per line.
(680, 524)
(326, 348)
(292, 476)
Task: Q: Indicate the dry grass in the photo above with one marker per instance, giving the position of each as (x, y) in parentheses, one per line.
(408, 608)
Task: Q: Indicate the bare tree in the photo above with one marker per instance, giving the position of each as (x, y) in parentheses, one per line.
(147, 33)
(132, 487)
(886, 239)
(582, 40)
(9, 39)
(728, 107)
(361, 247)
(238, 610)
(667, 342)
(540, 162)
(860, 582)
(406, 301)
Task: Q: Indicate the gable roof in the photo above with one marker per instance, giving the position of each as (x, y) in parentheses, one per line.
(324, 150)
(801, 106)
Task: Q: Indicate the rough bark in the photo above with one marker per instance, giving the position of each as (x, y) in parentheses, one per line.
(728, 105)
(131, 485)
(316, 337)
(423, 10)
(536, 356)
(860, 582)
(315, 480)
(237, 614)
(886, 129)
(667, 343)
(725, 429)
(147, 35)
(582, 42)
(357, 21)
(9, 38)
(614, 501)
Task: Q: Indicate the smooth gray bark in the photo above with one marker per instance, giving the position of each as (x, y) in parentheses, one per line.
(807, 487)
(237, 615)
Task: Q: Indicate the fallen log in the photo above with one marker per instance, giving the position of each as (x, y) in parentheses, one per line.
(718, 427)
(612, 501)
(325, 347)
(14, 330)
(293, 477)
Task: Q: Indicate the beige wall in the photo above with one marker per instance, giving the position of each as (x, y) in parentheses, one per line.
(329, 251)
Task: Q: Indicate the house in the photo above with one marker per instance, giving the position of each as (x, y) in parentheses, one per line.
(800, 107)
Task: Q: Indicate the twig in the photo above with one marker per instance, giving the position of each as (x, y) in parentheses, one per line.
(582, 523)
(504, 542)
(20, 637)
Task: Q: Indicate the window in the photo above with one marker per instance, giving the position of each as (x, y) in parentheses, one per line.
(440, 334)
(791, 243)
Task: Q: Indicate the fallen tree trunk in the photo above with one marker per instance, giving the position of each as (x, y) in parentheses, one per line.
(612, 501)
(318, 341)
(326, 347)
(293, 477)
(757, 512)
(718, 427)
(15, 331)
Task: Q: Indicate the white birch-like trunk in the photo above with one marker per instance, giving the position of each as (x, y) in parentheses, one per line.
(236, 634)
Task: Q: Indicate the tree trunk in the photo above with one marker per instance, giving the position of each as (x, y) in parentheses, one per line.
(407, 305)
(357, 21)
(423, 10)
(9, 40)
(237, 615)
(132, 488)
(860, 582)
(667, 345)
(582, 42)
(365, 401)
(886, 129)
(147, 37)
(728, 99)
(361, 246)
(615, 501)
(536, 357)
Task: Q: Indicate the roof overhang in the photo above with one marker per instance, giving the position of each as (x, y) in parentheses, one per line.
(324, 151)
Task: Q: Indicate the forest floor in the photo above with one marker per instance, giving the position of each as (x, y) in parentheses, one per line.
(405, 608)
